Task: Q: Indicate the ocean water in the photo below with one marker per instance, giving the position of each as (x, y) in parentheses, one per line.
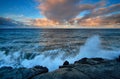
(51, 47)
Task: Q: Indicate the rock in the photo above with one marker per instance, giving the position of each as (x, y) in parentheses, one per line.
(90, 61)
(82, 61)
(98, 59)
(118, 59)
(21, 73)
(7, 68)
(67, 66)
(93, 68)
(45, 69)
(66, 63)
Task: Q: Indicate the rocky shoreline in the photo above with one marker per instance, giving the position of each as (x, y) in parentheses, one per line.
(86, 68)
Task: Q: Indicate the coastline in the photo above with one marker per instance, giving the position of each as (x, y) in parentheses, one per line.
(86, 68)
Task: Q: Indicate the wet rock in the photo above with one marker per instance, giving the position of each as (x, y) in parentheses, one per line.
(118, 59)
(90, 61)
(94, 68)
(67, 66)
(21, 73)
(7, 68)
(45, 69)
(66, 63)
(82, 61)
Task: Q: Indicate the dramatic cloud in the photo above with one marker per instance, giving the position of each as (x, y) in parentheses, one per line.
(64, 13)
(67, 10)
(63, 10)
(59, 10)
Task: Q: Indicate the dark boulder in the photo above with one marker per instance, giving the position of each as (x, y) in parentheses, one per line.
(90, 61)
(67, 66)
(118, 59)
(45, 69)
(7, 68)
(21, 73)
(66, 63)
(82, 61)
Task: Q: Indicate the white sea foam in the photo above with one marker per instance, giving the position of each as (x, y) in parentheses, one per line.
(91, 49)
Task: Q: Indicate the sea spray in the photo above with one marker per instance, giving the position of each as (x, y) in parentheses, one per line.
(91, 49)
(43, 61)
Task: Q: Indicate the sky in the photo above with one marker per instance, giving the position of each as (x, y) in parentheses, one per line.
(58, 13)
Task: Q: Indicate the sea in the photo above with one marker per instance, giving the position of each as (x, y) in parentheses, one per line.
(51, 47)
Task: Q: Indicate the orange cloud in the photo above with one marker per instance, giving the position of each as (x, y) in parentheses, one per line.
(91, 22)
(44, 22)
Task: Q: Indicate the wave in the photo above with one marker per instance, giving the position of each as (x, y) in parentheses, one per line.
(91, 49)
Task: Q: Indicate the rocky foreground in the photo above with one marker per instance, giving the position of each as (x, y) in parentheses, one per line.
(94, 68)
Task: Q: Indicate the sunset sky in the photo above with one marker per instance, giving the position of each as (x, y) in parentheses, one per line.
(59, 13)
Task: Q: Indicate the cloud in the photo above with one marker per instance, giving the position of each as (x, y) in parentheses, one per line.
(102, 11)
(43, 22)
(112, 19)
(67, 10)
(21, 18)
(8, 22)
(59, 10)
(77, 22)
(64, 10)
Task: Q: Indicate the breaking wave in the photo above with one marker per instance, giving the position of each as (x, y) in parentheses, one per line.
(91, 49)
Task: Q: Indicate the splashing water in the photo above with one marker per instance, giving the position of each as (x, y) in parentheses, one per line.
(91, 49)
